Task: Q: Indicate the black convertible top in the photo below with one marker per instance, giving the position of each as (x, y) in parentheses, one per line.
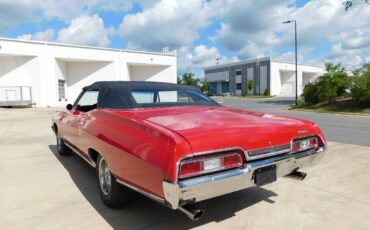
(117, 94)
(101, 85)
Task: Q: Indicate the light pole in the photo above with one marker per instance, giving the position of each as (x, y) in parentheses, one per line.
(296, 64)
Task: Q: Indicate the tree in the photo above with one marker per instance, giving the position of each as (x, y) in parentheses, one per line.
(188, 79)
(350, 3)
(360, 87)
(204, 86)
(332, 84)
(337, 77)
(250, 86)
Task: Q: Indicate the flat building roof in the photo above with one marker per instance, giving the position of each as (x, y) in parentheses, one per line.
(171, 53)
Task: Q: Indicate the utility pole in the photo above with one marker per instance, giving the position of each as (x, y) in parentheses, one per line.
(218, 60)
(296, 59)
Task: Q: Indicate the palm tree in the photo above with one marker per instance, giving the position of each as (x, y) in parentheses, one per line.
(188, 79)
(349, 3)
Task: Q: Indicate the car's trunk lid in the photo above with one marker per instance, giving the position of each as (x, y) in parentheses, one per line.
(211, 128)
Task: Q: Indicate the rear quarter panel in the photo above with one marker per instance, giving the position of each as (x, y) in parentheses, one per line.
(137, 152)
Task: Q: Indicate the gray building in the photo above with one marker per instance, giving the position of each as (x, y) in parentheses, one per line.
(265, 74)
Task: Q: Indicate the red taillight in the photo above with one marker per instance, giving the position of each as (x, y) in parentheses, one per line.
(194, 167)
(296, 146)
(191, 168)
(233, 160)
(314, 142)
(305, 144)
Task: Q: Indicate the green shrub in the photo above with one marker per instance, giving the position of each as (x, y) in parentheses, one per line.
(310, 93)
(360, 87)
(267, 92)
(332, 84)
(327, 92)
(250, 86)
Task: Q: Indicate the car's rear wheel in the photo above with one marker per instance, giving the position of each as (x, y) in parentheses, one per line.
(112, 193)
(63, 149)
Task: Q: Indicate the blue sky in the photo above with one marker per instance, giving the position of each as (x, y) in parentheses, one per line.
(200, 30)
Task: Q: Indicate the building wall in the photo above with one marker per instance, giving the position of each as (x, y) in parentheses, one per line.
(257, 70)
(40, 65)
(149, 73)
(285, 72)
(218, 76)
(80, 74)
(266, 74)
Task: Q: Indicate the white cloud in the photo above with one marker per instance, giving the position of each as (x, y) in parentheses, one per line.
(15, 11)
(289, 57)
(65, 10)
(47, 35)
(146, 3)
(168, 23)
(201, 56)
(249, 26)
(252, 32)
(83, 30)
(12, 12)
(116, 5)
(86, 30)
(367, 60)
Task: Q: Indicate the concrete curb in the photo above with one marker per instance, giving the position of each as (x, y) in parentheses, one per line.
(332, 113)
(242, 98)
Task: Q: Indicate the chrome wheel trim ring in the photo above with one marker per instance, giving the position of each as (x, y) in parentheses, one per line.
(105, 178)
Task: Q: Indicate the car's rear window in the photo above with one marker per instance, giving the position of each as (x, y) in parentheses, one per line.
(155, 96)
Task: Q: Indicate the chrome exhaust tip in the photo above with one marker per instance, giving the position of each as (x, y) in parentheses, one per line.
(297, 175)
(192, 212)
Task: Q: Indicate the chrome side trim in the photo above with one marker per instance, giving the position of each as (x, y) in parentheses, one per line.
(149, 195)
(79, 154)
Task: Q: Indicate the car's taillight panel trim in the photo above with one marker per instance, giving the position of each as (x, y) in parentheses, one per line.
(306, 143)
(222, 166)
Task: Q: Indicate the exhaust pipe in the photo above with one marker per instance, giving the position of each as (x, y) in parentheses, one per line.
(192, 212)
(297, 175)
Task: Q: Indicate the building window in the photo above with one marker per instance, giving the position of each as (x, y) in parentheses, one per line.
(212, 88)
(225, 87)
(61, 89)
(238, 72)
(239, 86)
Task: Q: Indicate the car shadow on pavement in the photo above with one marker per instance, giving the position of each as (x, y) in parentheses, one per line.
(143, 213)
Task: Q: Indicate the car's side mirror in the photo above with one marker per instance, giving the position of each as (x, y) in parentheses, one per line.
(69, 107)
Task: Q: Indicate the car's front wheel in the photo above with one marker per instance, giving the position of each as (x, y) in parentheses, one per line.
(112, 193)
(63, 149)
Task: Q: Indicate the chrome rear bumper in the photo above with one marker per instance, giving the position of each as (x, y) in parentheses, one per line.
(206, 187)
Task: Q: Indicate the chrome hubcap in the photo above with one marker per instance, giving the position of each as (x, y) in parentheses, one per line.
(105, 178)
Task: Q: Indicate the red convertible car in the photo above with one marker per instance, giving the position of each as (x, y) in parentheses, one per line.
(177, 146)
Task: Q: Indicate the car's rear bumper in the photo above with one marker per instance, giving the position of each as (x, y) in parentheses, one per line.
(206, 187)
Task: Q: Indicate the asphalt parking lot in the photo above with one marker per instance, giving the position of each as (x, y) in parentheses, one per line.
(351, 129)
(41, 190)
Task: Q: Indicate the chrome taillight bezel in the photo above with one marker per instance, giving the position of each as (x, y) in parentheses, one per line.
(303, 142)
(209, 158)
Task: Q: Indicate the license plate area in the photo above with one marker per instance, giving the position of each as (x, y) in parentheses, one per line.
(265, 175)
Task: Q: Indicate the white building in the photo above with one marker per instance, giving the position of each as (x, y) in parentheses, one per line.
(264, 73)
(51, 74)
